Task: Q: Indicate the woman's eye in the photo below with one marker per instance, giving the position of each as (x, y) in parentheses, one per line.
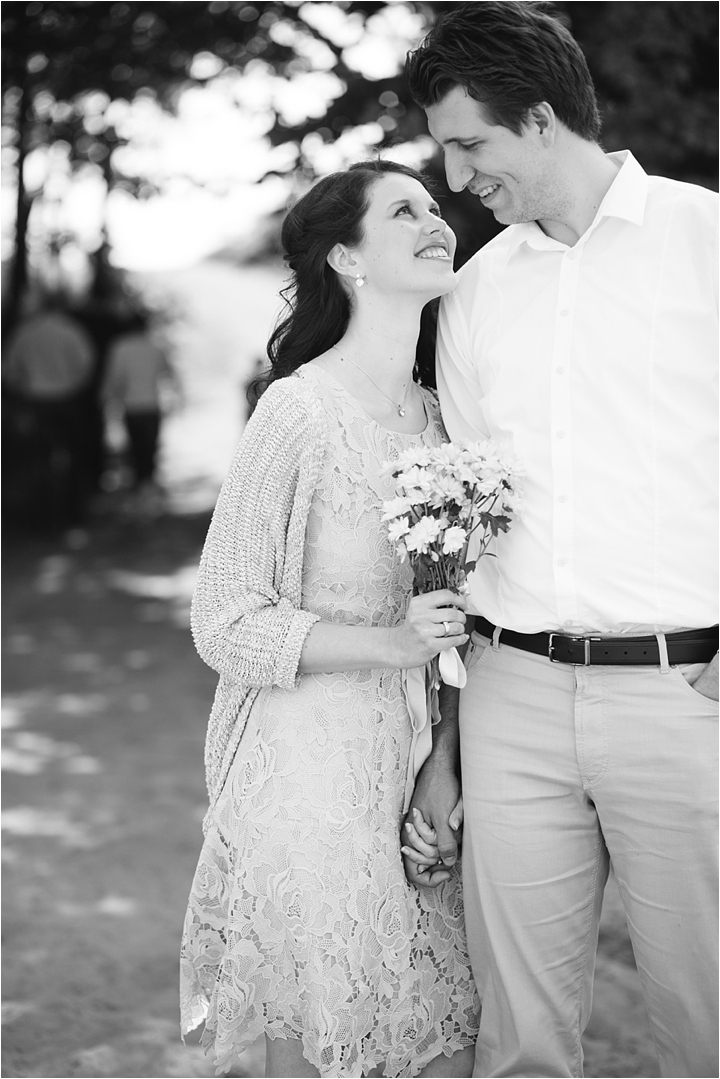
(403, 210)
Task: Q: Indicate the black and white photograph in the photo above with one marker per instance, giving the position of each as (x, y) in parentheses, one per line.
(360, 491)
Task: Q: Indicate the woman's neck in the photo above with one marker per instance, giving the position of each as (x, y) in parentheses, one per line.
(383, 347)
(374, 361)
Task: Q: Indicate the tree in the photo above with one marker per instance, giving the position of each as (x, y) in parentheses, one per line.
(655, 67)
(66, 64)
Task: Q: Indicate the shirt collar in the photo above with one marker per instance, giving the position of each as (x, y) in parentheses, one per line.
(627, 194)
(625, 199)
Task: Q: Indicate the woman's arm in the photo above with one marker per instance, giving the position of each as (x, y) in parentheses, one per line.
(330, 648)
(242, 625)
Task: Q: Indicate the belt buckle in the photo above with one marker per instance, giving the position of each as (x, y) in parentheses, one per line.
(586, 643)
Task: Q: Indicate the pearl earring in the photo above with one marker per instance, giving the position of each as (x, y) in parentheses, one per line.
(359, 281)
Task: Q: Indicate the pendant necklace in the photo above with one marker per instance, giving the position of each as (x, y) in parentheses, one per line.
(400, 407)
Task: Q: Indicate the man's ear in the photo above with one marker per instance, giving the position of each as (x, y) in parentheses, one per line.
(342, 261)
(542, 119)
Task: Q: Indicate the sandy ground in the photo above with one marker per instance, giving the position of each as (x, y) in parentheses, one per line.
(104, 712)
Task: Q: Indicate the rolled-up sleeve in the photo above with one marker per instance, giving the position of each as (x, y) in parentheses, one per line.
(244, 625)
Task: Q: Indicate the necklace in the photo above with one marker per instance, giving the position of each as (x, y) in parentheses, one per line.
(400, 407)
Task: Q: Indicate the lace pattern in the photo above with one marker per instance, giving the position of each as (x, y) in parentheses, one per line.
(300, 921)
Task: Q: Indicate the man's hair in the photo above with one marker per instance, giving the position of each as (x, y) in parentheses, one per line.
(509, 57)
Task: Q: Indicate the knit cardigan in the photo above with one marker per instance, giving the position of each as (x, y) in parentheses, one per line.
(246, 618)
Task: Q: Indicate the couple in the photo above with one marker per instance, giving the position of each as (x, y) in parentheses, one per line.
(584, 338)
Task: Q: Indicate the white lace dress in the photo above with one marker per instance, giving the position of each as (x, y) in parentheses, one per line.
(300, 920)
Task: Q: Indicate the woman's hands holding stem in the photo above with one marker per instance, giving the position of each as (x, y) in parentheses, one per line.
(434, 622)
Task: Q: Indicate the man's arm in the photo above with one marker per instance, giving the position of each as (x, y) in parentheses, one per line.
(458, 383)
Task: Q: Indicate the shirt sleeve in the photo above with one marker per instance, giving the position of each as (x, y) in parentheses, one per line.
(112, 384)
(457, 376)
(84, 349)
(163, 367)
(242, 625)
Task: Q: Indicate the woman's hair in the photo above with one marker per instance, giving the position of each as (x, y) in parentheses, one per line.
(318, 303)
(509, 56)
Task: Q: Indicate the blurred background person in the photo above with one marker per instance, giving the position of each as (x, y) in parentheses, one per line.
(138, 382)
(48, 366)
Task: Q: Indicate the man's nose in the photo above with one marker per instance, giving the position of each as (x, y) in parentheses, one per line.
(458, 174)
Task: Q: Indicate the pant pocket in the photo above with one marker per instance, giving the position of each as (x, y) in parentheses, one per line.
(476, 649)
(684, 676)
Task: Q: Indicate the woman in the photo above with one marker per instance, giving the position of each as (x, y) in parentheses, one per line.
(301, 924)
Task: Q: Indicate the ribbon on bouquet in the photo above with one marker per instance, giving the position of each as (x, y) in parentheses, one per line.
(452, 668)
(421, 699)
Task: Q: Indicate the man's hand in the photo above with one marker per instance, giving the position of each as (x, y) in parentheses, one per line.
(431, 829)
(707, 683)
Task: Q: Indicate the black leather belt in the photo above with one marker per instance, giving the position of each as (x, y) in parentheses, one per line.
(690, 646)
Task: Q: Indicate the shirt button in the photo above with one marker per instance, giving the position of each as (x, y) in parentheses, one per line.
(562, 561)
(568, 622)
(562, 498)
(559, 370)
(560, 434)
(571, 253)
(564, 313)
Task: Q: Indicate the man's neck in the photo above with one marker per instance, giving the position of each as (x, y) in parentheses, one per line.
(591, 173)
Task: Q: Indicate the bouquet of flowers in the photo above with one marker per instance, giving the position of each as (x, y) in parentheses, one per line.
(445, 497)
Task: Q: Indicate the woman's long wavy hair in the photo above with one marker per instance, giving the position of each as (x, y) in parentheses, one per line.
(319, 306)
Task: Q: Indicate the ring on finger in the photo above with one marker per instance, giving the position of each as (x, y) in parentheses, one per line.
(447, 629)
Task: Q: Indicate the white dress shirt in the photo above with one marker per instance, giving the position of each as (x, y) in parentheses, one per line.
(597, 366)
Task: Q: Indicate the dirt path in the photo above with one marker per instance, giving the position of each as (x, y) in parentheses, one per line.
(105, 705)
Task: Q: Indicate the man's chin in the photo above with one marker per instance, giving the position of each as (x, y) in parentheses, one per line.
(503, 214)
(505, 217)
(508, 217)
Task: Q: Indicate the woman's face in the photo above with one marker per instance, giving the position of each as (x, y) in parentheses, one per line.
(406, 246)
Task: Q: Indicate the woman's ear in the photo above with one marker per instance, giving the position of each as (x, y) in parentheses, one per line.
(342, 261)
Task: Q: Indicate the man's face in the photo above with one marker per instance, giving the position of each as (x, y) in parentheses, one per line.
(509, 173)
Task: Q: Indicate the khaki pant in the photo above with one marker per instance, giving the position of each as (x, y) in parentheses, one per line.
(566, 769)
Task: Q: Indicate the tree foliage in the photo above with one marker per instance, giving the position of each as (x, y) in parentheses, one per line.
(655, 66)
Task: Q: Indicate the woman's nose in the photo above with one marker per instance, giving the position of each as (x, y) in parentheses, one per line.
(435, 224)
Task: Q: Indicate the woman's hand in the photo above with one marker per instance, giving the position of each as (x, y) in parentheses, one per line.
(420, 842)
(423, 863)
(434, 622)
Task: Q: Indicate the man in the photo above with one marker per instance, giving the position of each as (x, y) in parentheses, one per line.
(584, 339)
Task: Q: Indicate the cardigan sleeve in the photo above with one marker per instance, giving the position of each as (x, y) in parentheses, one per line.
(246, 617)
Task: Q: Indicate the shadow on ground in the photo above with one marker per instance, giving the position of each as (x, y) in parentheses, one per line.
(104, 715)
